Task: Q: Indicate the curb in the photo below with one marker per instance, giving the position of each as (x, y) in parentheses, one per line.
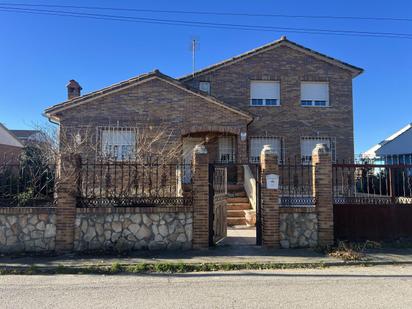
(177, 268)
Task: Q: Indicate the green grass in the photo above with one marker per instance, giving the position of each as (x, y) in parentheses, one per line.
(147, 268)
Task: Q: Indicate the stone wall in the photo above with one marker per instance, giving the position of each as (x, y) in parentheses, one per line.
(133, 231)
(27, 230)
(298, 230)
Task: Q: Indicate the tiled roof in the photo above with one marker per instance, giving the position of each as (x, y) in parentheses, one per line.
(283, 41)
(51, 111)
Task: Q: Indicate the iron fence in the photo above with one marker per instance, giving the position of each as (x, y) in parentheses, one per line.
(220, 180)
(372, 183)
(25, 184)
(296, 184)
(134, 184)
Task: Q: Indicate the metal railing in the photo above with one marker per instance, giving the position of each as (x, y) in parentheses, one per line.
(372, 183)
(296, 184)
(134, 184)
(220, 180)
(27, 184)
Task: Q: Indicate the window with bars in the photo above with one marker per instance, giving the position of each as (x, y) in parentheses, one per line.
(308, 143)
(314, 94)
(257, 143)
(117, 143)
(264, 93)
(226, 149)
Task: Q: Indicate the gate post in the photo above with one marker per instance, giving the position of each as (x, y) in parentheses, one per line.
(269, 200)
(200, 193)
(68, 171)
(322, 190)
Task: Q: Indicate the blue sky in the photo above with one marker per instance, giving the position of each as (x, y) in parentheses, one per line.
(39, 54)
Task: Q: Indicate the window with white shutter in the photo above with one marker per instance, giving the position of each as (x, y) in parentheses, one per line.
(314, 94)
(307, 144)
(226, 149)
(257, 143)
(264, 93)
(118, 143)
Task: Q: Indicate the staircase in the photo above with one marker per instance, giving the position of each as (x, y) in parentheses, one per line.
(237, 202)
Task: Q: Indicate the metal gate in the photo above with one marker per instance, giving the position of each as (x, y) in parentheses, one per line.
(220, 175)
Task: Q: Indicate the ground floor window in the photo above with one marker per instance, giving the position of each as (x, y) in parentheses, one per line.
(256, 146)
(117, 143)
(308, 143)
(226, 149)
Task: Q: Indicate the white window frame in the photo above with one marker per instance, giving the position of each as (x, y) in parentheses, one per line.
(117, 148)
(306, 158)
(254, 158)
(265, 101)
(204, 83)
(314, 102)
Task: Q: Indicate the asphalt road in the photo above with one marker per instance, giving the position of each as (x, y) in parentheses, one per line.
(344, 287)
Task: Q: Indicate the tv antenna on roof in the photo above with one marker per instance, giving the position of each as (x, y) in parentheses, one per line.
(194, 46)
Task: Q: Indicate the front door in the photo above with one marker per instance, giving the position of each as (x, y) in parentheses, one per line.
(189, 143)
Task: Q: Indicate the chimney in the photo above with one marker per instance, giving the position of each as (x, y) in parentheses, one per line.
(73, 89)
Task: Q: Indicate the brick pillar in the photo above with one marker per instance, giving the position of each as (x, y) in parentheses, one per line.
(241, 157)
(270, 200)
(66, 192)
(322, 190)
(200, 191)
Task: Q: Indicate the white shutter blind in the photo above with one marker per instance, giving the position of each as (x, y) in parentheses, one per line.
(314, 91)
(226, 149)
(264, 90)
(118, 143)
(257, 143)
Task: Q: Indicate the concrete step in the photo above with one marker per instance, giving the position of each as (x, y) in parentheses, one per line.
(235, 213)
(236, 194)
(238, 199)
(238, 206)
(234, 188)
(236, 221)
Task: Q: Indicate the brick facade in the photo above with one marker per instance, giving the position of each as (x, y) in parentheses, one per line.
(289, 121)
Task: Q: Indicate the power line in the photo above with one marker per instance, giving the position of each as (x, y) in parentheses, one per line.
(370, 18)
(206, 24)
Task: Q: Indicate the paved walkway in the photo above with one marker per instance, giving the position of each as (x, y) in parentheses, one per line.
(241, 235)
(218, 254)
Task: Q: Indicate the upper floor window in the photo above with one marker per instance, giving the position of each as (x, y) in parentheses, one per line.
(205, 87)
(118, 143)
(257, 143)
(264, 93)
(314, 94)
(307, 144)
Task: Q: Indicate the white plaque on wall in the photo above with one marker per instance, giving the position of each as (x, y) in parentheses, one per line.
(272, 181)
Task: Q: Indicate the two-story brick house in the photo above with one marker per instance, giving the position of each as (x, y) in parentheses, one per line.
(281, 94)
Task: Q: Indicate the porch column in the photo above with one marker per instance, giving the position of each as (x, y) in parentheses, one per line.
(241, 157)
(200, 193)
(322, 190)
(68, 173)
(269, 199)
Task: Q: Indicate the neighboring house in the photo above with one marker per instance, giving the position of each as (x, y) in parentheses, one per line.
(396, 149)
(28, 136)
(10, 146)
(281, 94)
